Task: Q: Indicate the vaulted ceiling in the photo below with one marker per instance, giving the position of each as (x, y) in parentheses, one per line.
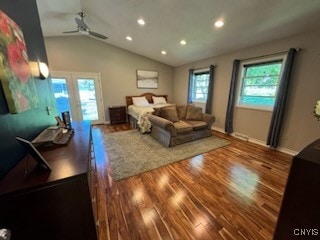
(246, 23)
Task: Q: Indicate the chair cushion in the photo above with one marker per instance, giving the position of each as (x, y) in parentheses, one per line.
(157, 112)
(194, 113)
(182, 127)
(182, 111)
(170, 113)
(196, 125)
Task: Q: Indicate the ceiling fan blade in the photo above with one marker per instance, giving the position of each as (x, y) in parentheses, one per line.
(98, 35)
(81, 23)
(75, 31)
(83, 27)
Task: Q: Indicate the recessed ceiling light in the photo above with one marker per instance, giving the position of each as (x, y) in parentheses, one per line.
(163, 52)
(219, 23)
(129, 38)
(141, 21)
(183, 42)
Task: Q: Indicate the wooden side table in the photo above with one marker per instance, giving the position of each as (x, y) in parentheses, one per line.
(118, 114)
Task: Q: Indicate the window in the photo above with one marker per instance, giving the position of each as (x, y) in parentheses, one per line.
(199, 86)
(259, 84)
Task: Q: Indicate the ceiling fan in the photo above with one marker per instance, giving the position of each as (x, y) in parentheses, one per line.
(82, 27)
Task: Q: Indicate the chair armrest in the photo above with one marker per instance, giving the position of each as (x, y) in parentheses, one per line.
(208, 118)
(163, 123)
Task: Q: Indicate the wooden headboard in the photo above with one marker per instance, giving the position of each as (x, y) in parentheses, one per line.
(147, 95)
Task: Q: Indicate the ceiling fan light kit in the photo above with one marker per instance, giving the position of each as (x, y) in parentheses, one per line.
(83, 31)
(83, 28)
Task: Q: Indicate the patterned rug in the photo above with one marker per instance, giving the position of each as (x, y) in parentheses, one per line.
(131, 152)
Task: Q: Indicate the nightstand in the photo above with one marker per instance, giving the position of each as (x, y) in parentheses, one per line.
(118, 114)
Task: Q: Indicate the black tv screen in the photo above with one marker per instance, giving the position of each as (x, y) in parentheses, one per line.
(34, 153)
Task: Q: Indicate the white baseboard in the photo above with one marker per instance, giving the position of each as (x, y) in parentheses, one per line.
(287, 151)
(244, 137)
(217, 129)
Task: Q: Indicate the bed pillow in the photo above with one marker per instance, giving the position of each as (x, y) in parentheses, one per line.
(170, 113)
(194, 113)
(158, 100)
(140, 101)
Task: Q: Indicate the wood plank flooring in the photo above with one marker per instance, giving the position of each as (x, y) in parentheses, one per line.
(232, 192)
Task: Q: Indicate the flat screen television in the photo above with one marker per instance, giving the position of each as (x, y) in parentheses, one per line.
(34, 153)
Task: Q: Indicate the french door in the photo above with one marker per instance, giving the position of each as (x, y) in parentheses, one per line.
(80, 94)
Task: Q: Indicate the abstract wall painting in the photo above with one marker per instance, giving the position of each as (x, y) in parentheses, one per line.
(18, 85)
(147, 79)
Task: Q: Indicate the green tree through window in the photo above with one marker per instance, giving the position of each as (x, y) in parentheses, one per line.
(259, 84)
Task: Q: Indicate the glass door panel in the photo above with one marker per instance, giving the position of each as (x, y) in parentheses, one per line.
(61, 95)
(88, 101)
(80, 94)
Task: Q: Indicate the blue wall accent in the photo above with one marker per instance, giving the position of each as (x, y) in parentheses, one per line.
(30, 123)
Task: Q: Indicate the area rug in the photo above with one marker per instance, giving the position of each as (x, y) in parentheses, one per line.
(131, 152)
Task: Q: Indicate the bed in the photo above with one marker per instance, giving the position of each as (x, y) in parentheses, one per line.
(139, 108)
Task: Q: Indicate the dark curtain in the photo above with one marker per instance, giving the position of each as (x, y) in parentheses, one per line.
(280, 102)
(232, 95)
(210, 90)
(189, 100)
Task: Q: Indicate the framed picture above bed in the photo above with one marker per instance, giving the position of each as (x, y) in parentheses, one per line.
(147, 79)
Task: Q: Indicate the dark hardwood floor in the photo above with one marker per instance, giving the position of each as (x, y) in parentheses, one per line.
(232, 192)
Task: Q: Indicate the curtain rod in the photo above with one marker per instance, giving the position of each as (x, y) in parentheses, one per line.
(197, 69)
(268, 55)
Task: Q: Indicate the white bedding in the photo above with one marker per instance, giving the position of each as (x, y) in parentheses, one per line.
(142, 113)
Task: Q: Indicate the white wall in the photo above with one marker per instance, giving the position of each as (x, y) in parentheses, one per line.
(300, 127)
(116, 66)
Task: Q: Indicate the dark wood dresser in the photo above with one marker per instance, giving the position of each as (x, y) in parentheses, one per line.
(60, 204)
(118, 114)
(299, 216)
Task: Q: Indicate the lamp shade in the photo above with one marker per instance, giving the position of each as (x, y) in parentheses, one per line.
(39, 70)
